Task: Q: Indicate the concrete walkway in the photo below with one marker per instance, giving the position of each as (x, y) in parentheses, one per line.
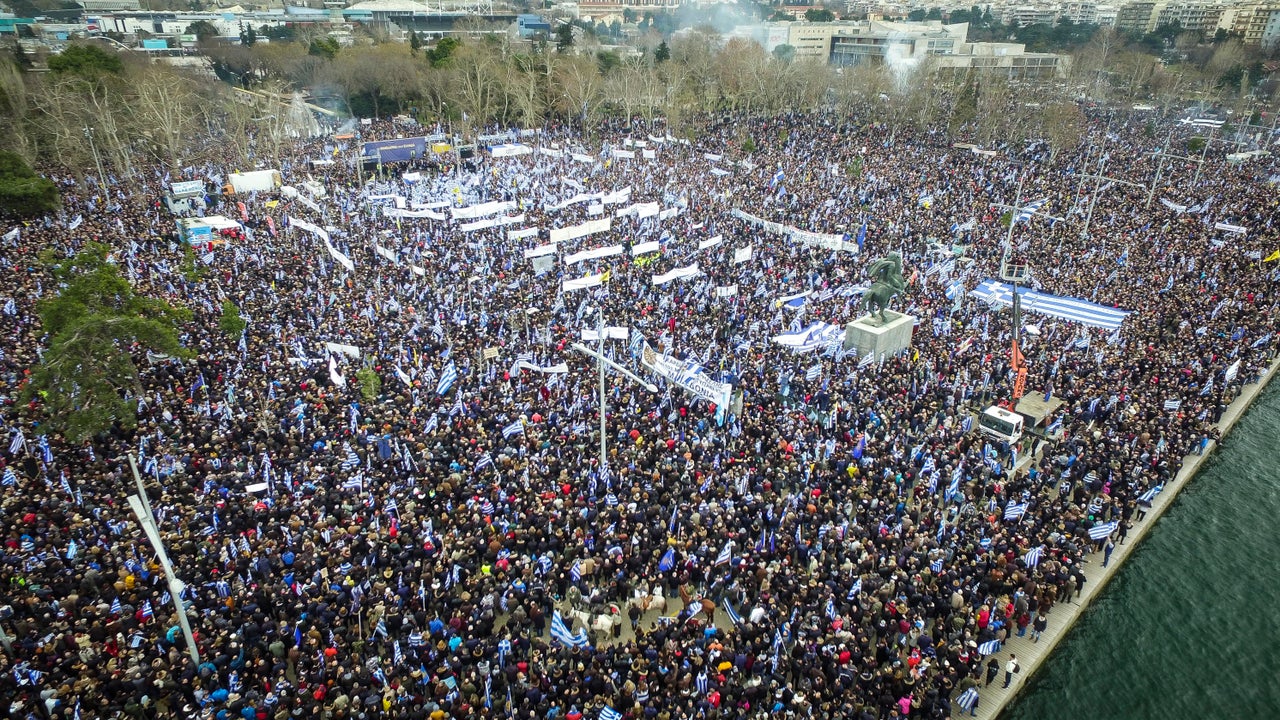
(992, 700)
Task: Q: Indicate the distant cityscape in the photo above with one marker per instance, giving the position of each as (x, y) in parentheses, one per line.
(847, 34)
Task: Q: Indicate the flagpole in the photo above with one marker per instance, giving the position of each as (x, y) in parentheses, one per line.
(603, 400)
(142, 510)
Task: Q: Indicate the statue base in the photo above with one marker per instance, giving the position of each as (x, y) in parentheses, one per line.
(868, 334)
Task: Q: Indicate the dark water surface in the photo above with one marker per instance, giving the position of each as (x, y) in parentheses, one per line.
(1190, 626)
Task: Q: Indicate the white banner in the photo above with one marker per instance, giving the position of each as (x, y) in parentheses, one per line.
(558, 369)
(712, 157)
(669, 213)
(418, 271)
(728, 291)
(522, 233)
(610, 333)
(550, 152)
(624, 154)
(710, 243)
(648, 247)
(342, 259)
(677, 274)
(1227, 227)
(388, 254)
(350, 351)
(491, 222)
(616, 198)
(741, 255)
(595, 254)
(539, 251)
(824, 240)
(1173, 205)
(576, 231)
(583, 283)
(582, 158)
(313, 229)
(483, 210)
(649, 154)
(687, 375)
(594, 209)
(391, 212)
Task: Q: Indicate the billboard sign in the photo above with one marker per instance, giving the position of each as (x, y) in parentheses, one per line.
(398, 150)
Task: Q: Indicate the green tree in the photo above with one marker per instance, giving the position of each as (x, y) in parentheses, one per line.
(439, 55)
(781, 16)
(934, 14)
(325, 47)
(203, 30)
(248, 36)
(564, 37)
(662, 53)
(819, 15)
(22, 191)
(415, 43)
(86, 60)
(370, 383)
(916, 15)
(231, 322)
(87, 380)
(785, 52)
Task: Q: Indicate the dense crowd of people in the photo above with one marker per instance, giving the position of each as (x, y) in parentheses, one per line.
(840, 545)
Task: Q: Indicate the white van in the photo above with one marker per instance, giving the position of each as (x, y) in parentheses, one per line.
(996, 422)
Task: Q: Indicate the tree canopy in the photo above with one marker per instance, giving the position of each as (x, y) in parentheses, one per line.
(86, 60)
(22, 191)
(87, 380)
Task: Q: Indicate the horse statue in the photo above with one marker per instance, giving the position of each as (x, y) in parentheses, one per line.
(886, 282)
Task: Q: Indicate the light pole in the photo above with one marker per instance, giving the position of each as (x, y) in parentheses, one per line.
(102, 178)
(602, 362)
(142, 510)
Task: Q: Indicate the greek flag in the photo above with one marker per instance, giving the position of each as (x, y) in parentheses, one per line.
(515, 428)
(353, 460)
(485, 461)
(17, 443)
(575, 572)
(855, 590)
(734, 617)
(45, 453)
(396, 656)
(968, 700)
(380, 628)
(115, 607)
(831, 609)
(608, 713)
(1032, 558)
(967, 424)
(1098, 532)
(560, 633)
(1013, 512)
(936, 566)
(1151, 494)
(448, 376)
(1025, 213)
(867, 359)
(147, 612)
(777, 178)
(814, 373)
(1174, 404)
(954, 488)
(1231, 372)
(725, 556)
(991, 647)
(10, 478)
(668, 560)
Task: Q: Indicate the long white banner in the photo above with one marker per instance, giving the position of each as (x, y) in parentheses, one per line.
(646, 247)
(483, 210)
(392, 212)
(522, 233)
(804, 237)
(677, 274)
(611, 332)
(595, 254)
(576, 231)
(583, 283)
(687, 375)
(313, 229)
(539, 251)
(491, 222)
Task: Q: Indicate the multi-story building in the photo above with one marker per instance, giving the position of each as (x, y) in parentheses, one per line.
(880, 42)
(1023, 15)
(1201, 15)
(1135, 16)
(1258, 24)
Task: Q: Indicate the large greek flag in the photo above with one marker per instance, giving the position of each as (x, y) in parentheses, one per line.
(1063, 308)
(1098, 532)
(560, 632)
(447, 377)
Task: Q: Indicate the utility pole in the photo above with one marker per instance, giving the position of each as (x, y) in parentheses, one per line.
(603, 400)
(1093, 201)
(602, 363)
(1164, 153)
(142, 510)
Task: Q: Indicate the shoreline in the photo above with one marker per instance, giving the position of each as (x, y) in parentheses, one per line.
(1031, 656)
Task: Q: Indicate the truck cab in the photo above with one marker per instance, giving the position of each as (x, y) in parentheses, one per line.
(1001, 424)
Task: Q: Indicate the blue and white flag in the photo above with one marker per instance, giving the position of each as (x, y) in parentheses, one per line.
(1024, 214)
(515, 428)
(1032, 558)
(1015, 511)
(991, 647)
(668, 560)
(608, 713)
(1099, 532)
(1151, 494)
(725, 556)
(854, 590)
(575, 572)
(729, 610)
(968, 700)
(936, 566)
(448, 376)
(560, 632)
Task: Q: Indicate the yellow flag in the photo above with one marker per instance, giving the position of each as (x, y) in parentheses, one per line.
(1273, 256)
(605, 277)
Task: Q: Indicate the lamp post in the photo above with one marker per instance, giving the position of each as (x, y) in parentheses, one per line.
(141, 507)
(603, 361)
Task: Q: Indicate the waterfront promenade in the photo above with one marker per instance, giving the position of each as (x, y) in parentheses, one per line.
(1031, 655)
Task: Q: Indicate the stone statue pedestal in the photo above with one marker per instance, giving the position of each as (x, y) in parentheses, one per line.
(868, 334)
